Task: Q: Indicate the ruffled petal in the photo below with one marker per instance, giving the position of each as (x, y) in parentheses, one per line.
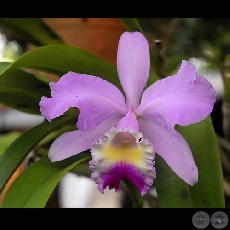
(74, 142)
(113, 160)
(172, 147)
(133, 64)
(181, 99)
(96, 98)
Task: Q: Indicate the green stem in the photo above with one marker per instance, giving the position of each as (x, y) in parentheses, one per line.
(137, 199)
(226, 120)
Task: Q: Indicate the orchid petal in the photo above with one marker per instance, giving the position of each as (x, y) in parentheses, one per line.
(133, 64)
(96, 98)
(181, 99)
(172, 147)
(74, 142)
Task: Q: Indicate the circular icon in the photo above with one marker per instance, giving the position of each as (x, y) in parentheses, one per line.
(219, 220)
(201, 220)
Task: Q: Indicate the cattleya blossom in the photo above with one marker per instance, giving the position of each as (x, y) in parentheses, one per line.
(124, 132)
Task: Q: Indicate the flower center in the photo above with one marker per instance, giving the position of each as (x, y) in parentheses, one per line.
(126, 137)
(124, 148)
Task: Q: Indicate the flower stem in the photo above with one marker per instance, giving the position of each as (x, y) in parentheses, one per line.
(137, 199)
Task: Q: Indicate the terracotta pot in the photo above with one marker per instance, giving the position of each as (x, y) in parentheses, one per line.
(99, 36)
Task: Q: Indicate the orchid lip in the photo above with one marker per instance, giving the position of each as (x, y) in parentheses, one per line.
(122, 154)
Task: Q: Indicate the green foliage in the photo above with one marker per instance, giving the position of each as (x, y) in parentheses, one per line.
(21, 147)
(22, 89)
(175, 193)
(32, 30)
(6, 139)
(41, 179)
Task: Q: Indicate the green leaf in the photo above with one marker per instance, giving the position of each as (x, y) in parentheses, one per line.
(172, 192)
(131, 24)
(33, 187)
(208, 192)
(33, 30)
(6, 139)
(21, 147)
(4, 66)
(59, 59)
(22, 91)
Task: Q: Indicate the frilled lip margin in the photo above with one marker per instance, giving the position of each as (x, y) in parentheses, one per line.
(123, 154)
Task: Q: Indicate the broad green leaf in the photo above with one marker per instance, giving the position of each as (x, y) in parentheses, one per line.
(172, 192)
(21, 147)
(33, 30)
(6, 139)
(59, 59)
(33, 187)
(208, 192)
(4, 66)
(21, 90)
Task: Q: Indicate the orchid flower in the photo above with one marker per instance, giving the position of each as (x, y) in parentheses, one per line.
(125, 132)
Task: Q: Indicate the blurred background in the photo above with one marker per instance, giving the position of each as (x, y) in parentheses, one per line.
(203, 41)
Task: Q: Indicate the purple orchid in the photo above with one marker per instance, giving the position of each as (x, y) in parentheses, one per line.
(124, 133)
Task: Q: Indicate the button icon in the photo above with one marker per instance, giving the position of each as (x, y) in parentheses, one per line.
(201, 220)
(219, 220)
